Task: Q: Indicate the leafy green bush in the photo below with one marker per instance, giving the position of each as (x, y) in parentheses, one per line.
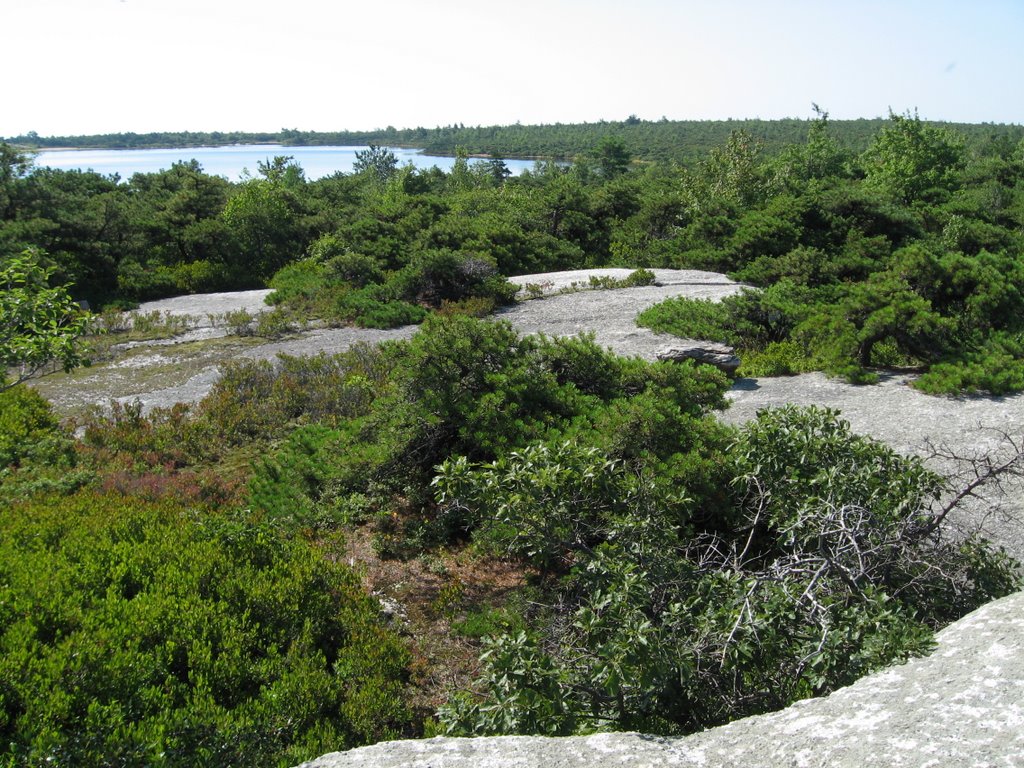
(357, 269)
(25, 419)
(204, 276)
(636, 278)
(239, 322)
(295, 281)
(258, 399)
(161, 638)
(392, 314)
(828, 564)
(778, 358)
(273, 324)
(488, 622)
(461, 386)
(472, 306)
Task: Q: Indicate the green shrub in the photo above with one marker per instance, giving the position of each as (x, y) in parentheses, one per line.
(273, 324)
(204, 276)
(296, 282)
(636, 278)
(778, 358)
(357, 269)
(25, 419)
(258, 399)
(392, 314)
(144, 281)
(691, 319)
(160, 638)
(828, 563)
(489, 622)
(997, 369)
(156, 325)
(287, 487)
(472, 306)
(239, 322)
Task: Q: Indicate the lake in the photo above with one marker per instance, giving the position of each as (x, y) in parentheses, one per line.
(231, 161)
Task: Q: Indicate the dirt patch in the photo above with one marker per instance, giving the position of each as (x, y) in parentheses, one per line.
(423, 596)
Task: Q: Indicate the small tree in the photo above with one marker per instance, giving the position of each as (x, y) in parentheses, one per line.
(911, 160)
(377, 162)
(39, 323)
(612, 157)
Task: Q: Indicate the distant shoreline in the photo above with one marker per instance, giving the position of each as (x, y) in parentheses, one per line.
(686, 142)
(471, 156)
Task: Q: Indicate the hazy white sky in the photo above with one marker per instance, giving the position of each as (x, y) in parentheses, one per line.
(102, 66)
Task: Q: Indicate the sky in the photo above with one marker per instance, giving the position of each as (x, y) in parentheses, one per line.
(105, 66)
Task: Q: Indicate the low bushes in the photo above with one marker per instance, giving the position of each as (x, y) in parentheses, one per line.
(137, 633)
(826, 564)
(25, 419)
(352, 287)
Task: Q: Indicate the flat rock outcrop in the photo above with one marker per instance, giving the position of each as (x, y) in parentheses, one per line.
(961, 706)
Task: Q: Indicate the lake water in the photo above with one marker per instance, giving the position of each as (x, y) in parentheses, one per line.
(231, 161)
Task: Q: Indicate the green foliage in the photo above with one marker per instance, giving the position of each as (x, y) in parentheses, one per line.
(25, 419)
(544, 504)
(290, 486)
(472, 388)
(257, 399)
(39, 323)
(826, 566)
(683, 574)
(690, 318)
(296, 281)
(160, 638)
(370, 312)
(777, 358)
(466, 386)
(377, 162)
(239, 322)
(267, 226)
(636, 278)
(489, 622)
(157, 325)
(907, 253)
(273, 324)
(997, 368)
(612, 157)
(911, 160)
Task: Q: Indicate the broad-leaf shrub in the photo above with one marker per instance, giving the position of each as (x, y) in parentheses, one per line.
(828, 565)
(40, 324)
(138, 633)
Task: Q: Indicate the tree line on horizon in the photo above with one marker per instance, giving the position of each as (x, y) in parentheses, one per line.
(904, 254)
(682, 141)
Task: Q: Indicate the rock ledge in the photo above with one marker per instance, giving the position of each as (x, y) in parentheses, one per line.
(961, 706)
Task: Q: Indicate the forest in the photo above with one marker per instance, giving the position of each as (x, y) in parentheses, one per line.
(574, 541)
(682, 141)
